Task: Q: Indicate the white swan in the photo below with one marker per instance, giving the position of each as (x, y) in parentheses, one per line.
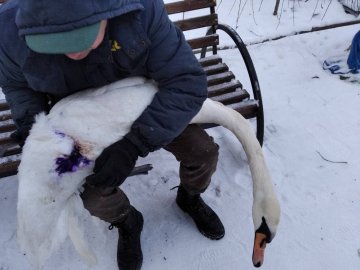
(86, 123)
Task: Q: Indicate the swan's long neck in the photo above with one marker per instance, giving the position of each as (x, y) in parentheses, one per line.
(263, 192)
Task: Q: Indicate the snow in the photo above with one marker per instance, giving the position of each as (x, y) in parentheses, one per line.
(310, 116)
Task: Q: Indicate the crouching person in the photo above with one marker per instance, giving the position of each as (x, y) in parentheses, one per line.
(51, 49)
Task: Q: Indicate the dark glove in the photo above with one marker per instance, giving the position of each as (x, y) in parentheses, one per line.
(114, 164)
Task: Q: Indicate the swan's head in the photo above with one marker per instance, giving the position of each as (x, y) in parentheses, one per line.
(266, 216)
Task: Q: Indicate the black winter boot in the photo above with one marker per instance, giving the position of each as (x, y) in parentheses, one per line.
(204, 217)
(129, 254)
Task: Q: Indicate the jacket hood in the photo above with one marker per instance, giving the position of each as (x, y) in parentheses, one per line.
(52, 16)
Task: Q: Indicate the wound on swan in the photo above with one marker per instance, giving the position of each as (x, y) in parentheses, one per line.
(70, 163)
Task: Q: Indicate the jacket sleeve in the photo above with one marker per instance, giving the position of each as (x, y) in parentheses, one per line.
(24, 102)
(181, 81)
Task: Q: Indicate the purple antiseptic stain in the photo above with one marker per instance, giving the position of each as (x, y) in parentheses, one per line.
(70, 163)
(60, 134)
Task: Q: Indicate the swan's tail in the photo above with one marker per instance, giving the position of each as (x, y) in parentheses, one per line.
(76, 230)
(41, 238)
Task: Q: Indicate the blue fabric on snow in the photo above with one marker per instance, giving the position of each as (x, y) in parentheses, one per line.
(337, 65)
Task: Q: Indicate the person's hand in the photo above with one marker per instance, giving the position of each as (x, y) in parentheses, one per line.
(114, 164)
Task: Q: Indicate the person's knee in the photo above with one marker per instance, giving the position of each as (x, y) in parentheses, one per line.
(111, 205)
(208, 153)
(196, 175)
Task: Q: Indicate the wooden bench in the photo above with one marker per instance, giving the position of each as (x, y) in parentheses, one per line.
(196, 17)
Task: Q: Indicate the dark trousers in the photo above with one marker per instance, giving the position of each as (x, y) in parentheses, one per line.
(193, 148)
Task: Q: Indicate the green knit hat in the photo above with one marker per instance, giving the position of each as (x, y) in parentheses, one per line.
(76, 40)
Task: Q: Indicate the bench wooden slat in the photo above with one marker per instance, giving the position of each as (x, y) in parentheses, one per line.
(5, 137)
(3, 105)
(12, 151)
(9, 165)
(197, 22)
(188, 5)
(203, 42)
(220, 78)
(223, 88)
(5, 115)
(248, 108)
(210, 60)
(232, 97)
(216, 69)
(7, 125)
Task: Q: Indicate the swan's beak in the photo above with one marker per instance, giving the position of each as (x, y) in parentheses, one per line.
(259, 249)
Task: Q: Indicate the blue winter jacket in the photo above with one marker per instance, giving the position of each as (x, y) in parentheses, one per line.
(140, 40)
(353, 60)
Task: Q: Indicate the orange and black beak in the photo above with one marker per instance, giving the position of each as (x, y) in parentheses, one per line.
(262, 236)
(259, 249)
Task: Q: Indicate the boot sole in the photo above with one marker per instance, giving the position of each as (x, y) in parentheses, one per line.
(211, 237)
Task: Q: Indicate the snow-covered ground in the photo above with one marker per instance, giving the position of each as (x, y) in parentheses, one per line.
(310, 116)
